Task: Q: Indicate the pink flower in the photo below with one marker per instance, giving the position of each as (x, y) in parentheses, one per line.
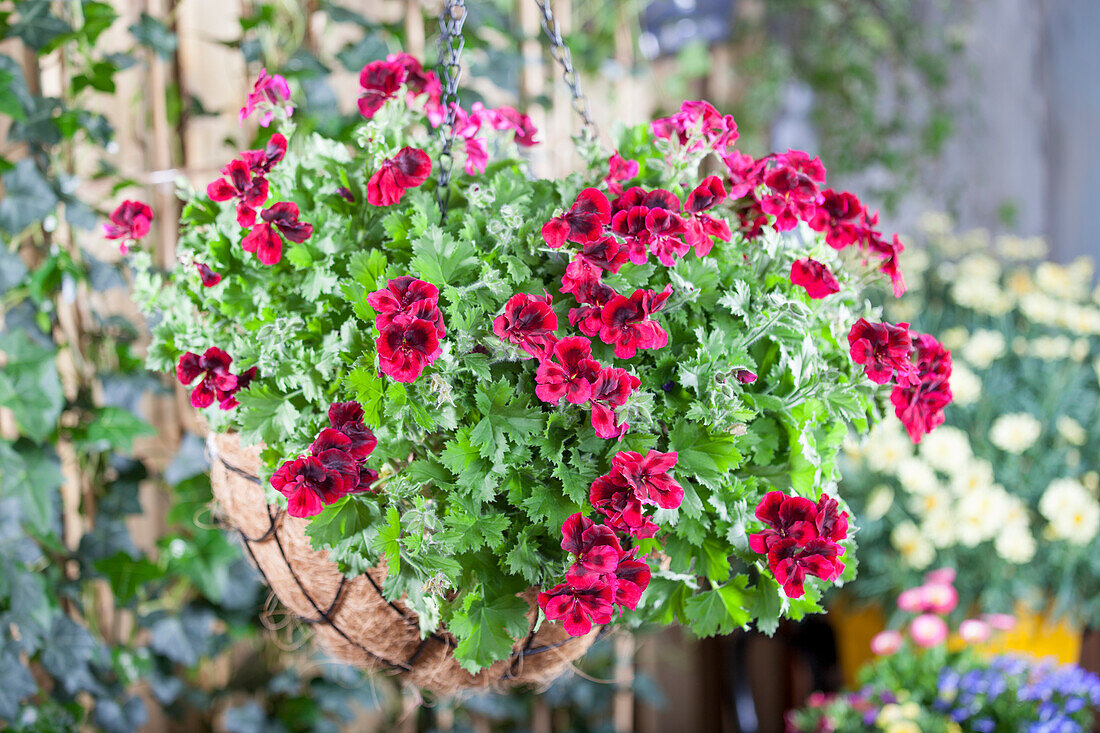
(619, 503)
(885, 643)
(627, 324)
(213, 367)
(920, 405)
(408, 169)
(265, 241)
(380, 81)
(529, 323)
(785, 517)
(260, 162)
(571, 376)
(928, 630)
(347, 417)
(648, 477)
(508, 118)
(940, 576)
(408, 296)
(941, 598)
(814, 277)
(407, 346)
(974, 631)
(477, 156)
(1000, 621)
(130, 222)
(619, 169)
(251, 193)
(584, 222)
(697, 123)
(612, 389)
(209, 277)
(269, 93)
(883, 349)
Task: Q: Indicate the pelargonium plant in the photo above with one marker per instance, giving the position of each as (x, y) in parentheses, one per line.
(1006, 491)
(626, 388)
(920, 683)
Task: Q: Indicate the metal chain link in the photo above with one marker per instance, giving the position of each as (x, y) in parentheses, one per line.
(560, 52)
(451, 43)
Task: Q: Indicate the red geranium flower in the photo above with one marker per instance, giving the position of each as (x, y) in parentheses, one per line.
(265, 241)
(208, 276)
(792, 195)
(578, 608)
(630, 224)
(630, 581)
(333, 448)
(611, 389)
(380, 80)
(261, 162)
(573, 374)
(130, 221)
(616, 500)
(838, 215)
(626, 322)
(407, 346)
(309, 485)
(347, 417)
(408, 169)
(786, 517)
(508, 118)
(417, 80)
(701, 227)
(605, 253)
(814, 277)
(250, 192)
(665, 229)
(832, 524)
(584, 222)
(648, 476)
(227, 398)
(594, 294)
(619, 169)
(213, 366)
(529, 323)
(791, 563)
(596, 548)
(696, 123)
(920, 405)
(406, 295)
(882, 349)
(745, 173)
(270, 92)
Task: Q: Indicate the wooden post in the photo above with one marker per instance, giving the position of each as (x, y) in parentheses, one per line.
(623, 704)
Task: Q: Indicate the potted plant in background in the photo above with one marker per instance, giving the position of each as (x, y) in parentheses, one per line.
(1006, 491)
(459, 440)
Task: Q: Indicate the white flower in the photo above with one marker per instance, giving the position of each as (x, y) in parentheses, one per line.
(916, 476)
(946, 449)
(1071, 430)
(1080, 319)
(1050, 348)
(954, 338)
(1039, 307)
(980, 295)
(1070, 281)
(981, 267)
(984, 348)
(1072, 510)
(915, 550)
(1015, 544)
(880, 501)
(1015, 511)
(930, 502)
(979, 515)
(939, 528)
(886, 446)
(1016, 432)
(1080, 350)
(966, 386)
(975, 475)
(936, 223)
(1019, 248)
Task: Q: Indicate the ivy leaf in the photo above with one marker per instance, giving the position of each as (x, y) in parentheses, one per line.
(33, 477)
(152, 33)
(9, 100)
(126, 574)
(16, 683)
(112, 428)
(67, 657)
(718, 611)
(30, 386)
(37, 26)
(486, 629)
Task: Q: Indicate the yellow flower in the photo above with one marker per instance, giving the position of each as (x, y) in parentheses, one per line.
(903, 726)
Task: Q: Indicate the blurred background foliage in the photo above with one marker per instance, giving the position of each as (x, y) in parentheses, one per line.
(121, 604)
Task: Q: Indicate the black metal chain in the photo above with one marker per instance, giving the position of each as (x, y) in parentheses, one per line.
(451, 42)
(561, 54)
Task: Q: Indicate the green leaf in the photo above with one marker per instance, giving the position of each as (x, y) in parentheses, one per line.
(370, 391)
(9, 100)
(388, 541)
(152, 33)
(340, 520)
(34, 478)
(126, 574)
(708, 457)
(16, 682)
(28, 197)
(112, 428)
(718, 611)
(765, 604)
(486, 629)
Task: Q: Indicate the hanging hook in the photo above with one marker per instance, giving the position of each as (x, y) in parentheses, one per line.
(561, 54)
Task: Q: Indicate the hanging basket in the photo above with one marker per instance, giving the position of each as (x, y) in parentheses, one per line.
(355, 623)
